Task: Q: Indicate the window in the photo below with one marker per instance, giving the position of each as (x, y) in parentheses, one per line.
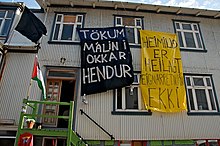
(65, 27)
(189, 35)
(54, 141)
(129, 98)
(200, 93)
(132, 25)
(124, 143)
(208, 142)
(132, 143)
(5, 21)
(7, 137)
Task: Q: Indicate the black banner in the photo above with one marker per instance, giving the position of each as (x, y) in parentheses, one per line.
(106, 61)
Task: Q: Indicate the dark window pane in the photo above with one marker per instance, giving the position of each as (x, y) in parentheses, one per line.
(195, 27)
(198, 82)
(6, 27)
(49, 142)
(212, 100)
(7, 141)
(118, 21)
(138, 22)
(130, 34)
(198, 40)
(61, 74)
(180, 39)
(0, 24)
(131, 98)
(138, 35)
(177, 25)
(56, 32)
(2, 14)
(191, 99)
(187, 27)
(188, 83)
(1, 56)
(201, 99)
(190, 42)
(59, 18)
(135, 79)
(67, 32)
(9, 14)
(79, 19)
(119, 98)
(76, 34)
(208, 81)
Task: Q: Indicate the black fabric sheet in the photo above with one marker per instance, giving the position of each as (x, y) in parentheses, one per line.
(30, 26)
(106, 61)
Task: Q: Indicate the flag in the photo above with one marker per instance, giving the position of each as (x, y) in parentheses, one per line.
(30, 26)
(37, 76)
(106, 62)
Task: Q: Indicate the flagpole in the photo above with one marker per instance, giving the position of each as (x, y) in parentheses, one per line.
(29, 89)
(24, 107)
(30, 84)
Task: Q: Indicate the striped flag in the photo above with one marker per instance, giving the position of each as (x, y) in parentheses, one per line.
(37, 76)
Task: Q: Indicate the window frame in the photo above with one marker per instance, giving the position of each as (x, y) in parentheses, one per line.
(61, 23)
(123, 110)
(193, 31)
(2, 62)
(7, 9)
(136, 27)
(206, 87)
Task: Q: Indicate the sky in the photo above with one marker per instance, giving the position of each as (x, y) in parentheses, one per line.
(29, 3)
(201, 4)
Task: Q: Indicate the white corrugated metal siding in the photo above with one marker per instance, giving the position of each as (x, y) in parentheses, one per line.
(99, 107)
(14, 84)
(158, 126)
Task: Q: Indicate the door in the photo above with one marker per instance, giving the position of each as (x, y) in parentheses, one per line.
(53, 94)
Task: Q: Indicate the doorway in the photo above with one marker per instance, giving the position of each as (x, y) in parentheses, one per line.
(67, 95)
(60, 88)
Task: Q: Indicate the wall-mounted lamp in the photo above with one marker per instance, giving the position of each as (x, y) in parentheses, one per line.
(179, 11)
(62, 60)
(93, 5)
(131, 90)
(116, 6)
(71, 3)
(158, 10)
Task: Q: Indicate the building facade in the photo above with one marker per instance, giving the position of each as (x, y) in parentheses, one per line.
(118, 114)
